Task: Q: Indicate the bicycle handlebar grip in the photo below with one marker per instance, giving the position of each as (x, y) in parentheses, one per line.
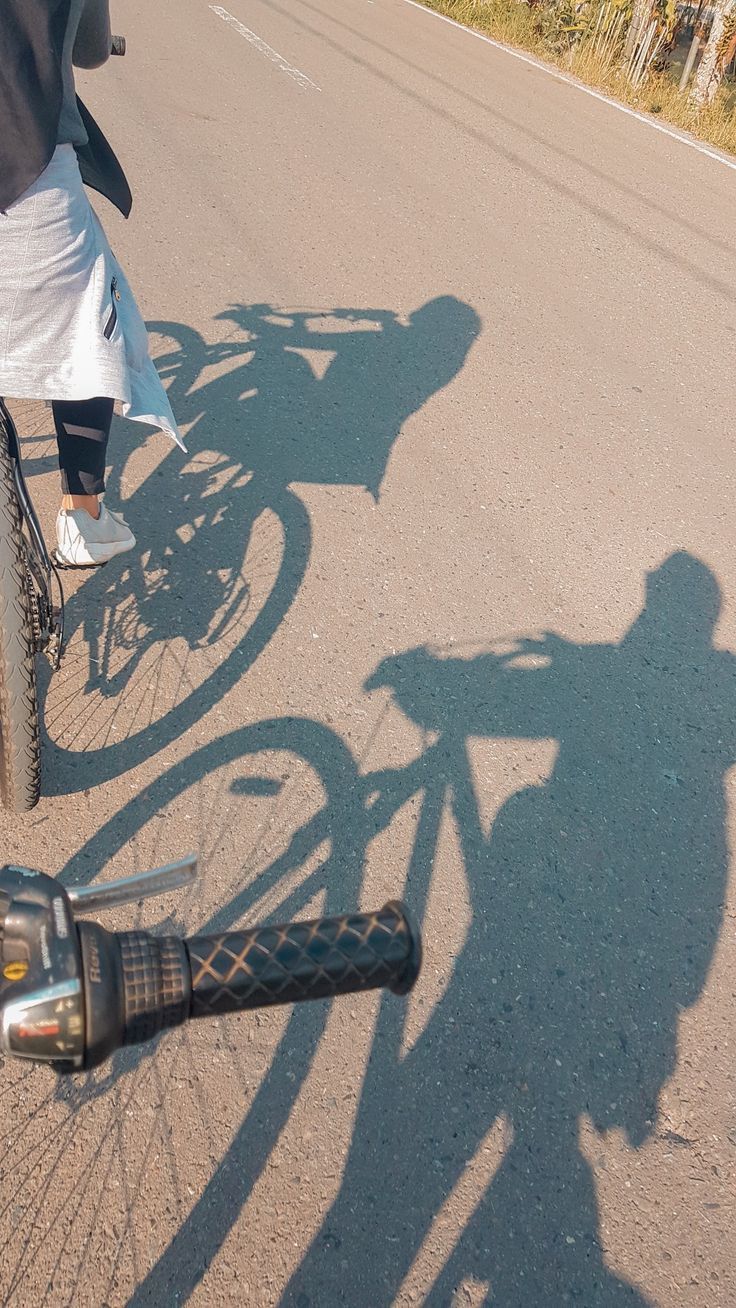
(118, 45)
(304, 960)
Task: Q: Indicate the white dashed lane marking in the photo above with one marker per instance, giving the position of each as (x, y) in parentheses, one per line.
(264, 48)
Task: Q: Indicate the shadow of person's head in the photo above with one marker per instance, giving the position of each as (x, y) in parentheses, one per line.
(682, 605)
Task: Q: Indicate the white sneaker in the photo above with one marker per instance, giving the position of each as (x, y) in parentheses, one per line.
(86, 542)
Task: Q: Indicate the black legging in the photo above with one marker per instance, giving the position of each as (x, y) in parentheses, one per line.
(82, 433)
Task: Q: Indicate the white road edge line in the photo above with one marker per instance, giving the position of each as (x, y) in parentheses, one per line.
(264, 48)
(586, 90)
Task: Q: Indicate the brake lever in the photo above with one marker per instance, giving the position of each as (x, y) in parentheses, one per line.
(125, 890)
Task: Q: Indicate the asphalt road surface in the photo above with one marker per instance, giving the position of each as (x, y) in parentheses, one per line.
(440, 603)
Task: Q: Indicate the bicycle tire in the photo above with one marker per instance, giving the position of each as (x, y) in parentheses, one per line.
(20, 746)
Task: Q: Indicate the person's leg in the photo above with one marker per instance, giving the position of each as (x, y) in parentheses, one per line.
(82, 433)
(87, 533)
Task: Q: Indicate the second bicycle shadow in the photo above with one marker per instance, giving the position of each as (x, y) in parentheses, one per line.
(592, 904)
(290, 397)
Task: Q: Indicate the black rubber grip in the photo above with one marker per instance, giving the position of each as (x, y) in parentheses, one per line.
(155, 984)
(118, 45)
(304, 960)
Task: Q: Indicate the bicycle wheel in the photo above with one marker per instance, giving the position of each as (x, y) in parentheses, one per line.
(20, 752)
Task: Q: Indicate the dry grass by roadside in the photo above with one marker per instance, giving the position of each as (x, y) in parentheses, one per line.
(516, 24)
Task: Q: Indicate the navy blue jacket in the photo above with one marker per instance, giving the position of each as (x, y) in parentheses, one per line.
(31, 42)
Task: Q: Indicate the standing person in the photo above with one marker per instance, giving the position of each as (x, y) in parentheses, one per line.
(70, 330)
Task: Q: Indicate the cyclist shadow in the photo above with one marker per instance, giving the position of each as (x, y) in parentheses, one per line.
(596, 902)
(596, 905)
(289, 399)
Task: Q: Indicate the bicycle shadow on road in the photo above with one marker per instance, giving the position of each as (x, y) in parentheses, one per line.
(290, 398)
(596, 902)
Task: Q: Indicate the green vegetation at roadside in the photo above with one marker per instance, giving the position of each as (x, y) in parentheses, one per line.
(579, 50)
